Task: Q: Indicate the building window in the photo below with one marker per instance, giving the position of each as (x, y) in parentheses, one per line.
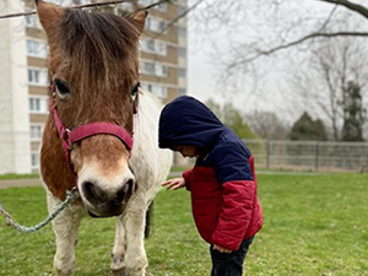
(36, 132)
(148, 23)
(182, 92)
(162, 7)
(80, 2)
(156, 25)
(182, 32)
(29, 20)
(154, 47)
(67, 3)
(181, 10)
(162, 26)
(182, 52)
(162, 71)
(160, 92)
(37, 76)
(33, 76)
(157, 90)
(37, 49)
(38, 105)
(150, 45)
(126, 6)
(146, 2)
(32, 22)
(182, 73)
(35, 104)
(56, 2)
(161, 48)
(35, 160)
(150, 68)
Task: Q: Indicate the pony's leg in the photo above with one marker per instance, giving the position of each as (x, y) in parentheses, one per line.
(135, 255)
(118, 252)
(65, 227)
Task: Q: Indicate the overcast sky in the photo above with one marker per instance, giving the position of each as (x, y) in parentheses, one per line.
(202, 75)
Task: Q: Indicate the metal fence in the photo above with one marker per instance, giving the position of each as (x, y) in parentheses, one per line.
(19, 153)
(309, 155)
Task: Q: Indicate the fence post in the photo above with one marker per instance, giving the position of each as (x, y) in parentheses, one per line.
(268, 153)
(316, 160)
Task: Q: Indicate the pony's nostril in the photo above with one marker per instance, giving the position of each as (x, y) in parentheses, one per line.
(128, 186)
(89, 189)
(120, 196)
(126, 189)
(92, 192)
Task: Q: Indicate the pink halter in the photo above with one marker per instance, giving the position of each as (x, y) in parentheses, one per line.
(69, 137)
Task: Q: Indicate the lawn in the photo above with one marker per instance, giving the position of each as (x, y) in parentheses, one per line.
(314, 226)
(10, 176)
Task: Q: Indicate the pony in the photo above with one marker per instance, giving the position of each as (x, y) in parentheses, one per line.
(96, 105)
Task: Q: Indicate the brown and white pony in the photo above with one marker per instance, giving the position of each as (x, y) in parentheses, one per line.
(94, 72)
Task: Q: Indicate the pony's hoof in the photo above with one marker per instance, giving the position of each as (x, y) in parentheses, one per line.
(121, 272)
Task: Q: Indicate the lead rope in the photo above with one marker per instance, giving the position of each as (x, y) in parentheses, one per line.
(70, 196)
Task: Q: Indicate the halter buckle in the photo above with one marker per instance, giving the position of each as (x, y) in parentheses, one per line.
(65, 136)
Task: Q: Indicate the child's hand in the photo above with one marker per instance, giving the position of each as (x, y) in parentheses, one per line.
(221, 249)
(174, 184)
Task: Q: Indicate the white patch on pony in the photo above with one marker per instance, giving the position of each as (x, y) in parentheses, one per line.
(151, 166)
(65, 226)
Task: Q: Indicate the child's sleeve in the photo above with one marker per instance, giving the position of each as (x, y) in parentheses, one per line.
(186, 176)
(235, 176)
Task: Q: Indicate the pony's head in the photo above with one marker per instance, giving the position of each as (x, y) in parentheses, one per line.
(94, 67)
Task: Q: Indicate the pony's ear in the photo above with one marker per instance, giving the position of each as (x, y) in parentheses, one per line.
(140, 19)
(49, 14)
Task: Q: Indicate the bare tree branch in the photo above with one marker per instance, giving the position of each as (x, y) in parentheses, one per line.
(349, 5)
(328, 20)
(99, 4)
(294, 43)
(75, 7)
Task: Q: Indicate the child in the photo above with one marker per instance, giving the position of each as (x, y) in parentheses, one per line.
(222, 183)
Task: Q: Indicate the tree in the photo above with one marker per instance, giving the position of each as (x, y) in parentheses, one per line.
(267, 125)
(215, 108)
(323, 82)
(307, 129)
(232, 118)
(354, 113)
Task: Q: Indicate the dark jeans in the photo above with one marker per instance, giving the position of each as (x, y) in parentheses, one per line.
(229, 264)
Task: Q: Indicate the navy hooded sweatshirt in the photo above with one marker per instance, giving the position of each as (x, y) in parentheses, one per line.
(223, 184)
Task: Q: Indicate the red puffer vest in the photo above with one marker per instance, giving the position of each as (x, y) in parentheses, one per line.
(224, 214)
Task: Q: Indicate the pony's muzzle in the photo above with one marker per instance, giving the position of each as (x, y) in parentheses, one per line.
(103, 203)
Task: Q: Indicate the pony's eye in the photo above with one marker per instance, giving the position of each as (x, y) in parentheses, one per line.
(62, 89)
(134, 91)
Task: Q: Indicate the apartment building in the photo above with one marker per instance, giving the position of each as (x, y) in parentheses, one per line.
(24, 77)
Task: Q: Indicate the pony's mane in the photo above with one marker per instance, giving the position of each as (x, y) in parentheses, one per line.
(99, 42)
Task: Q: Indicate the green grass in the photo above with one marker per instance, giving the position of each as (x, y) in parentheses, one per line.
(314, 226)
(9, 176)
(179, 169)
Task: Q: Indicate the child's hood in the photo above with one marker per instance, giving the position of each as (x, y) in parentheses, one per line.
(186, 121)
